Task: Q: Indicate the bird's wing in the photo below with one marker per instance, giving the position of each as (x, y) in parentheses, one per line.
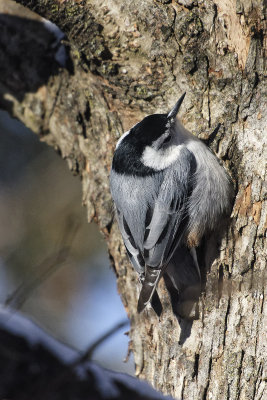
(167, 226)
(133, 251)
(152, 230)
(168, 221)
(161, 218)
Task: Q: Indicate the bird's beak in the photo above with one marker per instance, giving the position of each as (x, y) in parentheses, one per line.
(174, 111)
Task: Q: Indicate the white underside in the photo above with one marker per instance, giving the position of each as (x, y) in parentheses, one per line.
(160, 159)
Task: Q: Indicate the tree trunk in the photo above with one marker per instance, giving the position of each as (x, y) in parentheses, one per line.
(128, 59)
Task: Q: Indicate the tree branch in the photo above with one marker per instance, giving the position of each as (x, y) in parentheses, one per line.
(30, 358)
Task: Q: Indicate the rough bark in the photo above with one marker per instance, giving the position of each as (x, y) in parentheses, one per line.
(128, 59)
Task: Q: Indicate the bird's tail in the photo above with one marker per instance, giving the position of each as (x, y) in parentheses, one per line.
(152, 276)
(183, 276)
(183, 281)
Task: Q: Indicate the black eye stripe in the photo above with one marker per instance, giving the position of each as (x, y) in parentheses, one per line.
(168, 138)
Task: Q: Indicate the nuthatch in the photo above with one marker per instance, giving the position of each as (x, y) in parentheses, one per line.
(169, 190)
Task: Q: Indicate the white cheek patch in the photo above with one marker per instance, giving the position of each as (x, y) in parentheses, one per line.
(121, 138)
(160, 159)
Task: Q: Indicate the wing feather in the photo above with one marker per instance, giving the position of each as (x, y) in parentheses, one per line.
(133, 251)
(152, 214)
(169, 219)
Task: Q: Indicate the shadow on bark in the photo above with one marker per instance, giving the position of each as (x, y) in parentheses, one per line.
(185, 301)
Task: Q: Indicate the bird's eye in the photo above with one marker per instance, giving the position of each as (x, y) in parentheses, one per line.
(168, 138)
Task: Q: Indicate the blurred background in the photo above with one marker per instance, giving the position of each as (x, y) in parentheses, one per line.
(53, 264)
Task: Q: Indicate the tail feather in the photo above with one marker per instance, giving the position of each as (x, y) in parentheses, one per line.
(184, 275)
(151, 279)
(183, 281)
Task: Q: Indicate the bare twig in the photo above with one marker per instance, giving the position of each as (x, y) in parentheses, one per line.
(46, 268)
(87, 355)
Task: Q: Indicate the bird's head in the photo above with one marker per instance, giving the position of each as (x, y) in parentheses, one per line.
(153, 141)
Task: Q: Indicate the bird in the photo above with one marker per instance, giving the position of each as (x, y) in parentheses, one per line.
(169, 191)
